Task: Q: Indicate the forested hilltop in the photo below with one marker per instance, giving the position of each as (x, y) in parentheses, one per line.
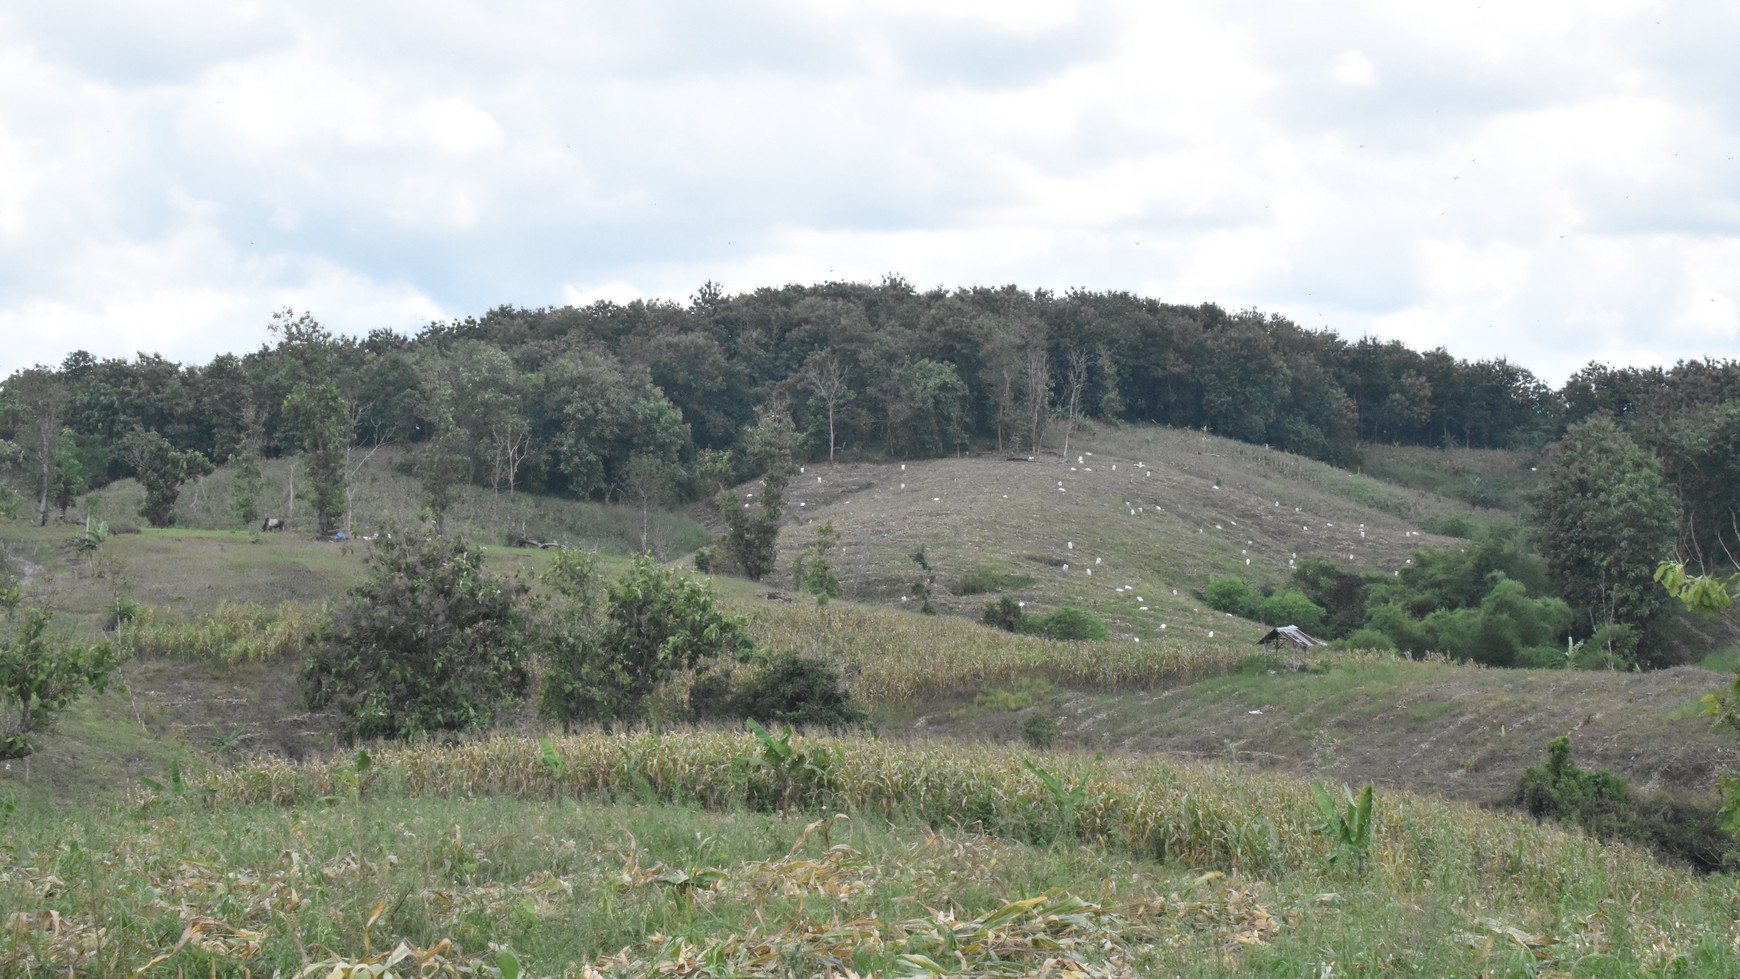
(614, 400)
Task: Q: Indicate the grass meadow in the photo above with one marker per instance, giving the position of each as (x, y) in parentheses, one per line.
(708, 854)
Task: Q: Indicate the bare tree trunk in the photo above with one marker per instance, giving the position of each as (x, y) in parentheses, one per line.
(1076, 367)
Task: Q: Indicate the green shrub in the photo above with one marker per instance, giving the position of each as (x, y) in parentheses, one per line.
(655, 622)
(1232, 595)
(1367, 639)
(1290, 607)
(1404, 630)
(1040, 730)
(800, 691)
(1540, 658)
(1612, 647)
(431, 642)
(1341, 591)
(1450, 525)
(1004, 613)
(1599, 802)
(1068, 623)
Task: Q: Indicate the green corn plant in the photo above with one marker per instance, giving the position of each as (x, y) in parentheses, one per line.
(1349, 831)
(553, 763)
(1069, 800)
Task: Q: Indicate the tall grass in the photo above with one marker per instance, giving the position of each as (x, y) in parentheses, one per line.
(232, 634)
(1563, 886)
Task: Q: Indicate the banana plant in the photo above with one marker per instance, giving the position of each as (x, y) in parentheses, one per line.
(1350, 831)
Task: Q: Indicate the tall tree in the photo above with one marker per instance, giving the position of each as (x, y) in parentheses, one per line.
(35, 402)
(1605, 521)
(752, 529)
(161, 469)
(320, 417)
(1037, 390)
(825, 375)
(1076, 362)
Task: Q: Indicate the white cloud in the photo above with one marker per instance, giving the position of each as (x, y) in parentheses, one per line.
(1354, 68)
(1352, 164)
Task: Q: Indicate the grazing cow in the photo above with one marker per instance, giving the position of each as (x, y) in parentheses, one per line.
(272, 523)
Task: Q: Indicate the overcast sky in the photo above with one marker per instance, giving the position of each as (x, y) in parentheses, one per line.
(1552, 182)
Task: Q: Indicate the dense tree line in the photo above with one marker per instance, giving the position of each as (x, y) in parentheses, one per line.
(642, 400)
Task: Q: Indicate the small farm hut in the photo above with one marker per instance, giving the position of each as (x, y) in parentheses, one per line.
(1289, 636)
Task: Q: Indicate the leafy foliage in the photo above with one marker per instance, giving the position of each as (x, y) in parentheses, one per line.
(1289, 606)
(1005, 613)
(41, 672)
(1233, 595)
(1605, 521)
(752, 535)
(799, 691)
(1349, 831)
(162, 469)
(1602, 804)
(602, 660)
(430, 643)
(1067, 623)
(317, 410)
(811, 573)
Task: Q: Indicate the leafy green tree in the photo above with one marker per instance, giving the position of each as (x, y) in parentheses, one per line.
(70, 476)
(162, 469)
(827, 378)
(247, 482)
(1339, 590)
(752, 530)
(925, 409)
(34, 403)
(811, 573)
(321, 419)
(607, 415)
(431, 642)
(1289, 606)
(654, 622)
(41, 672)
(1604, 521)
(580, 681)
(797, 690)
(1232, 595)
(443, 462)
(648, 482)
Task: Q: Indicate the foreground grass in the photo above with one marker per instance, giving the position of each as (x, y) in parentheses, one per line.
(637, 855)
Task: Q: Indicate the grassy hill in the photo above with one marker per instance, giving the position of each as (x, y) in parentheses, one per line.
(1168, 831)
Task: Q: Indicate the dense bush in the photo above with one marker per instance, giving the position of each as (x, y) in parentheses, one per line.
(1232, 595)
(1338, 589)
(1067, 623)
(1290, 607)
(799, 691)
(602, 666)
(1366, 639)
(1598, 801)
(430, 642)
(1004, 613)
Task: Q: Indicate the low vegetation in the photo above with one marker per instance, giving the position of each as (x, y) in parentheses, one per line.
(638, 855)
